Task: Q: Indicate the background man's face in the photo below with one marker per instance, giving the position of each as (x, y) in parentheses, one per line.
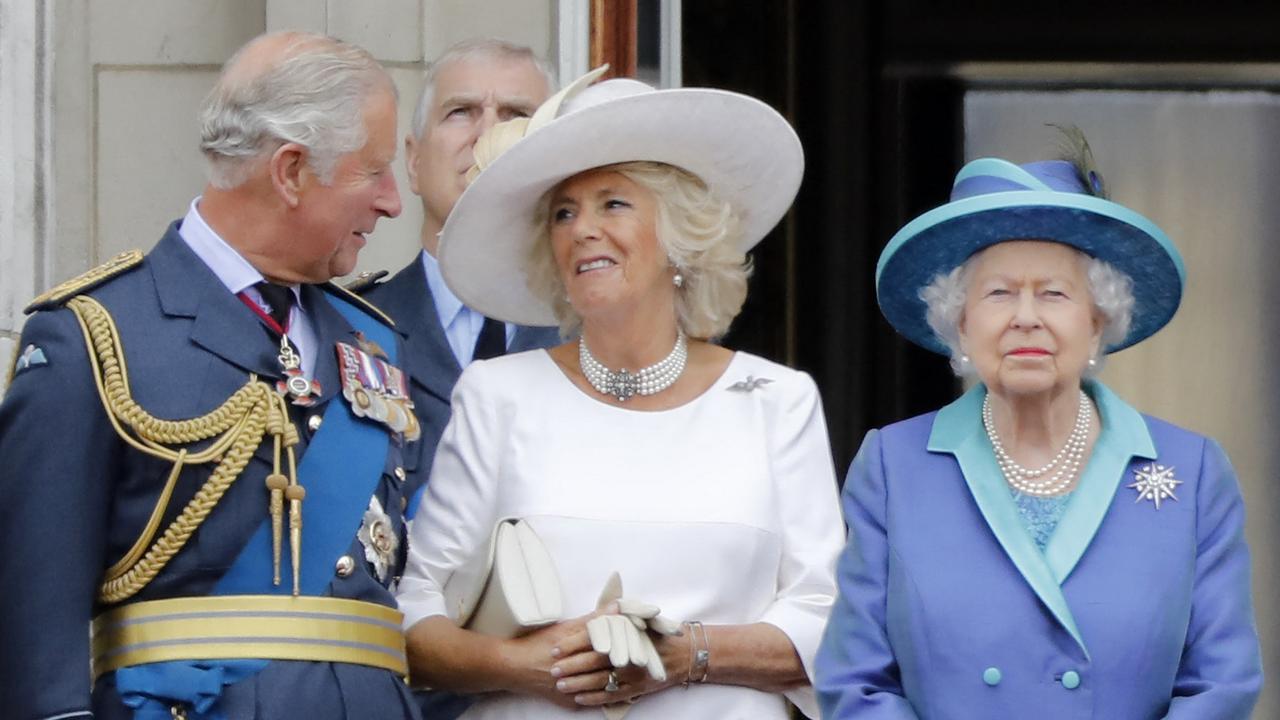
(471, 95)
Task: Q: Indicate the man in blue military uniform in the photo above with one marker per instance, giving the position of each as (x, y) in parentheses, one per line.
(201, 449)
(470, 87)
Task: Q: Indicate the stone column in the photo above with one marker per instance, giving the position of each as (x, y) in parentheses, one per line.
(25, 202)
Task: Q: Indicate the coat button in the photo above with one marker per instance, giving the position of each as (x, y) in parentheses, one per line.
(404, 503)
(345, 566)
(399, 473)
(991, 676)
(313, 422)
(1071, 679)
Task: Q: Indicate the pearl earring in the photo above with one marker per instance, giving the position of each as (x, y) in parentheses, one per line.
(964, 359)
(677, 280)
(1093, 362)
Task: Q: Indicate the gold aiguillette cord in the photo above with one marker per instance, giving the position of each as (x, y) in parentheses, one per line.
(281, 488)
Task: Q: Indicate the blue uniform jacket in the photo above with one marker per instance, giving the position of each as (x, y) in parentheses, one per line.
(947, 608)
(76, 496)
(432, 367)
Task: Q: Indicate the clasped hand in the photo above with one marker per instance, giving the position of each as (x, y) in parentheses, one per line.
(612, 657)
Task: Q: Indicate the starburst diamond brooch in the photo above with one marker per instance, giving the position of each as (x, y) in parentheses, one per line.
(1155, 483)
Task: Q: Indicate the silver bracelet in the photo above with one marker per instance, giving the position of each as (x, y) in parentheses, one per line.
(699, 658)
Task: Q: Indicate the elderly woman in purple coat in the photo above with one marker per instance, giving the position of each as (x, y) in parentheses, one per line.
(1037, 548)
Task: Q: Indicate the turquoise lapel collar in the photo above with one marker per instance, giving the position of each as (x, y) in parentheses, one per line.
(958, 430)
(1124, 436)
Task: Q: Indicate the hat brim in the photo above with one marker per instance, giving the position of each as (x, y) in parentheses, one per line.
(943, 238)
(746, 153)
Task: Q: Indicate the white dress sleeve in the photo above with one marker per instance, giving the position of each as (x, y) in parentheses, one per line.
(809, 516)
(459, 507)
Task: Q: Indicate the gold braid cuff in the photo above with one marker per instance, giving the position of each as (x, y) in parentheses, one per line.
(236, 428)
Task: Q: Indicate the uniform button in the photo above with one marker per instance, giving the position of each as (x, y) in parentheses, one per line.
(1071, 679)
(991, 676)
(313, 422)
(399, 473)
(345, 566)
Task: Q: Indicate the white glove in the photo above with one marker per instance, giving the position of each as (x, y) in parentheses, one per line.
(624, 637)
(645, 616)
(617, 637)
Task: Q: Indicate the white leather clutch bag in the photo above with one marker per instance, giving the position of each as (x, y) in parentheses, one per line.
(510, 589)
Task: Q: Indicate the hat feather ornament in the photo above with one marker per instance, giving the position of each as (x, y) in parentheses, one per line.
(499, 138)
(1074, 148)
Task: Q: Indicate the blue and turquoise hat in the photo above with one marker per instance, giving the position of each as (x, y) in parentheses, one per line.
(994, 200)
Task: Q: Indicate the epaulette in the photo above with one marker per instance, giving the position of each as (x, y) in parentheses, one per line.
(355, 299)
(365, 281)
(60, 293)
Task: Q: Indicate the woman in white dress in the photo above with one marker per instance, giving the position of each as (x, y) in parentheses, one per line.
(704, 478)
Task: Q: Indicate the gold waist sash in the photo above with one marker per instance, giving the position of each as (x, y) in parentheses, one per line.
(267, 627)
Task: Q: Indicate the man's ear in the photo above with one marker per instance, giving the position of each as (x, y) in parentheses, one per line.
(411, 162)
(289, 172)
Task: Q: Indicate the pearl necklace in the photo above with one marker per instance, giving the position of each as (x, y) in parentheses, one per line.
(646, 381)
(1064, 466)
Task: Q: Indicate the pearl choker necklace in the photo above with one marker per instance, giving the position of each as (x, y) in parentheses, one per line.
(625, 384)
(1064, 466)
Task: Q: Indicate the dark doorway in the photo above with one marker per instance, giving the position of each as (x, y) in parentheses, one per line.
(876, 91)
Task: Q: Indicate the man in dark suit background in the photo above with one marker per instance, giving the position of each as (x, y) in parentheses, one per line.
(470, 87)
(200, 449)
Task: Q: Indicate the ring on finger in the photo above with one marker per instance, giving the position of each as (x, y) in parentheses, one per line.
(612, 685)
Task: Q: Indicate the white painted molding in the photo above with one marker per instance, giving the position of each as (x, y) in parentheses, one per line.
(671, 44)
(573, 38)
(25, 178)
(8, 348)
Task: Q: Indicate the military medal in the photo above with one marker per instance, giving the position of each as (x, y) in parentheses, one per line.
(295, 385)
(376, 389)
(378, 536)
(370, 346)
(1155, 483)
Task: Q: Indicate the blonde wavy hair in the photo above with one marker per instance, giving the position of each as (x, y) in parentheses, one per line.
(700, 234)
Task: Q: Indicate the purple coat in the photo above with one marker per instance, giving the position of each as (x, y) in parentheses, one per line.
(948, 609)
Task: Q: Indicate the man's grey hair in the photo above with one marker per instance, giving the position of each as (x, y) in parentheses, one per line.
(475, 48)
(1110, 289)
(314, 95)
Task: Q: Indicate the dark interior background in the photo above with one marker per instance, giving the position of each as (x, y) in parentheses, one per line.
(870, 87)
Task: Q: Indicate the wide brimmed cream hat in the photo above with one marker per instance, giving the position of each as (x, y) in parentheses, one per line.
(746, 153)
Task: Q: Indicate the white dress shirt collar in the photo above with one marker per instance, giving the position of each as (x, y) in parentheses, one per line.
(230, 266)
(461, 324)
(447, 304)
(233, 271)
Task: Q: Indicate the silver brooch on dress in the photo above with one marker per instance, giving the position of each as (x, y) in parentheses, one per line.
(379, 539)
(1155, 483)
(751, 383)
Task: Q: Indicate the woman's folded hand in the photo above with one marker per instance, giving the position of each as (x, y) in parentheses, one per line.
(539, 659)
(588, 687)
